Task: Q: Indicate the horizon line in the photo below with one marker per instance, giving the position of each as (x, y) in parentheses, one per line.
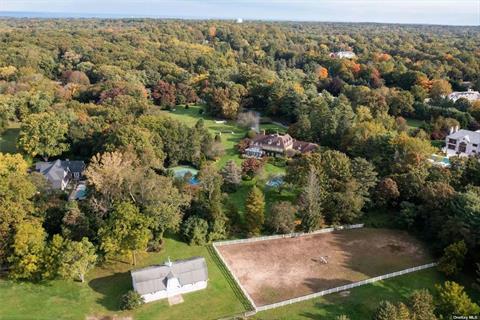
(121, 16)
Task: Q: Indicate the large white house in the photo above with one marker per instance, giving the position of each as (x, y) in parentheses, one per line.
(470, 95)
(171, 279)
(462, 142)
(343, 54)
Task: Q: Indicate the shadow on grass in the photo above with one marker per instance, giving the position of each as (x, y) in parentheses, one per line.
(231, 282)
(111, 288)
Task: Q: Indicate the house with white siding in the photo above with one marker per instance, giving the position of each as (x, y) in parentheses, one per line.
(462, 143)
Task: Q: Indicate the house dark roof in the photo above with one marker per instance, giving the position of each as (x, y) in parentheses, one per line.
(284, 142)
(58, 170)
(272, 140)
(302, 146)
(154, 278)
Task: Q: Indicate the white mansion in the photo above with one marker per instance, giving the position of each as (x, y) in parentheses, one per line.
(470, 95)
(462, 142)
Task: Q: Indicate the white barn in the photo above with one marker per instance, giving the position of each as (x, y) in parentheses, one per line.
(171, 279)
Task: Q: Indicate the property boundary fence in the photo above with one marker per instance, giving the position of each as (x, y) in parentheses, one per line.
(288, 235)
(312, 295)
(343, 288)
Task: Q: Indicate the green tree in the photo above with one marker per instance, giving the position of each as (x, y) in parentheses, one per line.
(195, 230)
(52, 254)
(254, 211)
(77, 259)
(385, 311)
(421, 305)
(28, 247)
(282, 217)
(232, 176)
(125, 231)
(16, 193)
(451, 262)
(43, 134)
(131, 300)
(403, 313)
(400, 103)
(454, 300)
(310, 202)
(440, 88)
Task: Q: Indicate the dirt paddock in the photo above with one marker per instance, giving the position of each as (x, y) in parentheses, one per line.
(276, 270)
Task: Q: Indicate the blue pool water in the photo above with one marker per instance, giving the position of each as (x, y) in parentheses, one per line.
(181, 171)
(275, 182)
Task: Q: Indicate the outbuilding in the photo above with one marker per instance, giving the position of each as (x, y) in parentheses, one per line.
(170, 279)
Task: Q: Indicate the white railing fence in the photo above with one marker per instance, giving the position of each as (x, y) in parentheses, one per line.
(244, 291)
(343, 288)
(288, 235)
(312, 295)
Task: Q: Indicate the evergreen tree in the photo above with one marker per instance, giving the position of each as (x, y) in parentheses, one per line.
(310, 202)
(385, 311)
(421, 305)
(254, 211)
(454, 300)
(453, 258)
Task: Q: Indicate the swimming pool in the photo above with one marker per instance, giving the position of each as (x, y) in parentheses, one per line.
(275, 182)
(181, 171)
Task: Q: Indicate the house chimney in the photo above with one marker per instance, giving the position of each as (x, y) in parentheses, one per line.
(264, 132)
(456, 128)
(169, 263)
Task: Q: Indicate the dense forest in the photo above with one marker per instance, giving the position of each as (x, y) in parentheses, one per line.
(97, 90)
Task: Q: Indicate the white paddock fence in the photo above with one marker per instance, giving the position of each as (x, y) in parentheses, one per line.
(288, 235)
(343, 288)
(313, 295)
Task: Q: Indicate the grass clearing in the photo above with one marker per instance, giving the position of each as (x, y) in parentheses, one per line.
(8, 139)
(231, 133)
(292, 267)
(100, 294)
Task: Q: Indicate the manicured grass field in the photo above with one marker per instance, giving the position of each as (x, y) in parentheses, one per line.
(230, 131)
(414, 123)
(362, 301)
(100, 294)
(8, 139)
(191, 115)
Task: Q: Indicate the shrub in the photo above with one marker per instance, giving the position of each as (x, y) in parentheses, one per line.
(131, 300)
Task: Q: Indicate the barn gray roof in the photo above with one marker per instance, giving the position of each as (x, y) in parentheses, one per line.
(154, 278)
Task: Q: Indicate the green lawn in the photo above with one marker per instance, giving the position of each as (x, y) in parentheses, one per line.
(230, 131)
(8, 139)
(414, 123)
(101, 293)
(360, 303)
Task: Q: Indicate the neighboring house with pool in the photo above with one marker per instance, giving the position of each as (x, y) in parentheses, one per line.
(61, 173)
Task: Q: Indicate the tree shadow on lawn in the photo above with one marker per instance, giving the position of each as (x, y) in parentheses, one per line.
(375, 252)
(111, 288)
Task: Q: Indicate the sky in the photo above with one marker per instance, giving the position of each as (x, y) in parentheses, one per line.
(451, 12)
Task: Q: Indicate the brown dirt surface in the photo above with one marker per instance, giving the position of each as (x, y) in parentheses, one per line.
(281, 269)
